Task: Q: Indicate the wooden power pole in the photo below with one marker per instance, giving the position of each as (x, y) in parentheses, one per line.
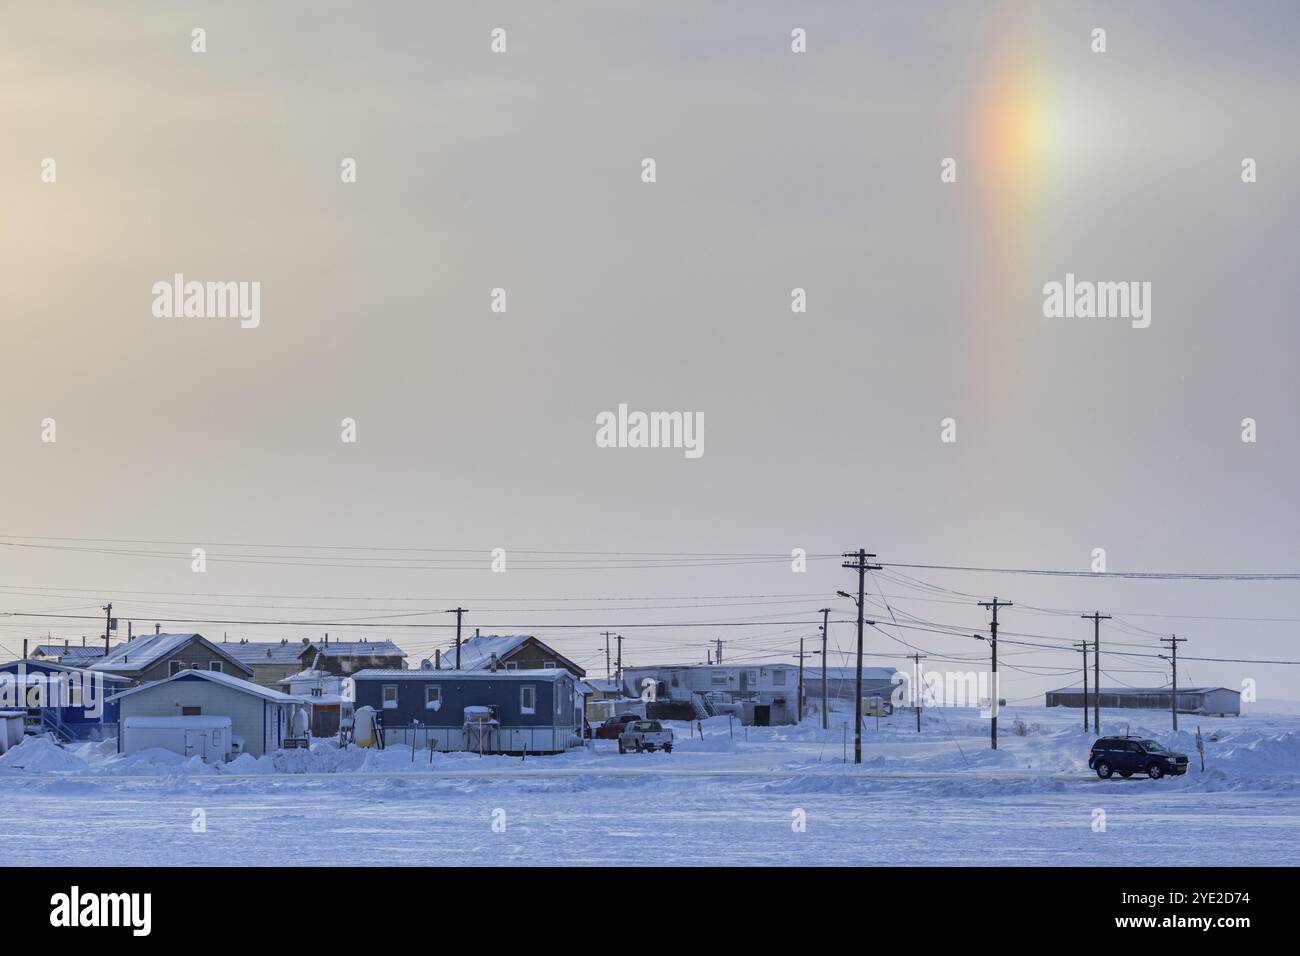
(860, 564)
(1097, 617)
(1083, 646)
(826, 717)
(459, 612)
(995, 691)
(1173, 641)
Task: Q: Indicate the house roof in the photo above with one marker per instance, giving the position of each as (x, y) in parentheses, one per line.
(264, 652)
(388, 673)
(216, 677)
(145, 651)
(726, 665)
(1142, 690)
(354, 649)
(69, 652)
(476, 652)
(65, 668)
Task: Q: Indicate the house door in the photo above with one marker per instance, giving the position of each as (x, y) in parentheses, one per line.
(762, 715)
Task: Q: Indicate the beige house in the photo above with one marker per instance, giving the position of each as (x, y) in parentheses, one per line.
(257, 714)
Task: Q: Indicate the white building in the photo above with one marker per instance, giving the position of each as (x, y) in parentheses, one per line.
(760, 694)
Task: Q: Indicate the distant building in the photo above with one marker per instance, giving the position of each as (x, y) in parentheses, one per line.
(760, 695)
(348, 657)
(504, 711)
(841, 682)
(76, 655)
(508, 652)
(1206, 701)
(328, 700)
(259, 715)
(153, 657)
(271, 661)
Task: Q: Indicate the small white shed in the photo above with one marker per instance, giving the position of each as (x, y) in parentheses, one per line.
(206, 737)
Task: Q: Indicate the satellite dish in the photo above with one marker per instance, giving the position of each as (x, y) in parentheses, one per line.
(426, 665)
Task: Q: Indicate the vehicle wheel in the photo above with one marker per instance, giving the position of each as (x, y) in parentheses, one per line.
(1155, 771)
(668, 748)
(638, 746)
(621, 748)
(1103, 770)
(1126, 774)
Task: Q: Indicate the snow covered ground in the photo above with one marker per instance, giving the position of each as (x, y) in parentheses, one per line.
(938, 797)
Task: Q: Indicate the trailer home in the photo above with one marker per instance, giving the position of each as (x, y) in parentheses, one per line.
(513, 712)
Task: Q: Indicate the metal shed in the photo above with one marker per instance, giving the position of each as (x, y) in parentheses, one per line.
(1206, 701)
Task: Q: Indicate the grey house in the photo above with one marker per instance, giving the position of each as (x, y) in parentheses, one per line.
(348, 657)
(271, 661)
(516, 712)
(257, 714)
(1206, 701)
(157, 656)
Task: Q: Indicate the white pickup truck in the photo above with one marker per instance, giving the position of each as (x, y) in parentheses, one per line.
(642, 735)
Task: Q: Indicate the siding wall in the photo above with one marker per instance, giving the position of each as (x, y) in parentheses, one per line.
(251, 717)
(193, 653)
(503, 694)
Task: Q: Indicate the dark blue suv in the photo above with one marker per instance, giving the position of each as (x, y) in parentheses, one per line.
(1129, 755)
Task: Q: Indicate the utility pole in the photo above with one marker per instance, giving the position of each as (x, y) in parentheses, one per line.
(1097, 617)
(826, 716)
(108, 622)
(618, 672)
(1083, 646)
(996, 691)
(459, 612)
(717, 658)
(607, 635)
(862, 566)
(916, 687)
(801, 680)
(1173, 640)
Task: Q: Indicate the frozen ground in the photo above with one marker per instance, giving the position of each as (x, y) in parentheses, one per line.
(939, 797)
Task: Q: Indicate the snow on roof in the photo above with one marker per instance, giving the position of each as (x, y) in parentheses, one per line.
(476, 652)
(381, 673)
(264, 652)
(356, 649)
(308, 674)
(68, 652)
(66, 668)
(605, 685)
(142, 651)
(235, 683)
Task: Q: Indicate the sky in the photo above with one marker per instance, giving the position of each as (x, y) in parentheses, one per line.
(775, 170)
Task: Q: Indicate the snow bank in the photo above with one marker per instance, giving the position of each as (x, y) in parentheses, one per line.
(42, 755)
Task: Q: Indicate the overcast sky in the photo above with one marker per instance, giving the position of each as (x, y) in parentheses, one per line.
(775, 170)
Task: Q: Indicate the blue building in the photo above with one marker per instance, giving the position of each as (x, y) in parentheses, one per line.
(70, 702)
(514, 712)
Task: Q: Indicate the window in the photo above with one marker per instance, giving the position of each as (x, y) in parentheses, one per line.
(316, 692)
(216, 666)
(718, 678)
(512, 665)
(175, 667)
(548, 665)
(390, 696)
(528, 699)
(191, 711)
(433, 696)
(778, 678)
